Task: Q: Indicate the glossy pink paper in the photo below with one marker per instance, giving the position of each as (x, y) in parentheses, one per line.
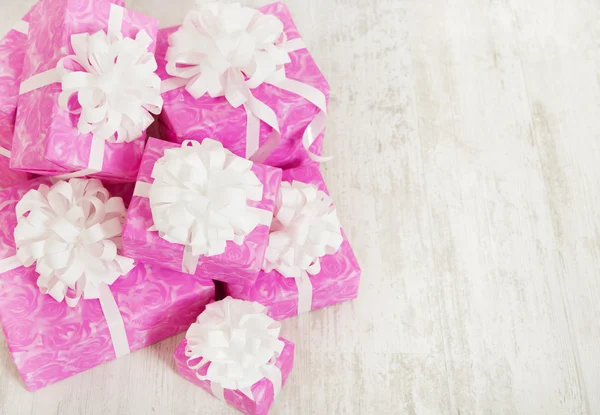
(12, 52)
(46, 139)
(337, 282)
(49, 341)
(237, 264)
(262, 390)
(184, 118)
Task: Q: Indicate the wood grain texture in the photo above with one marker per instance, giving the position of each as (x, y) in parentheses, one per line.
(466, 142)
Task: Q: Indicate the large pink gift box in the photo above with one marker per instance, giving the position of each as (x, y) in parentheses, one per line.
(186, 118)
(12, 52)
(236, 264)
(262, 390)
(50, 341)
(337, 282)
(46, 140)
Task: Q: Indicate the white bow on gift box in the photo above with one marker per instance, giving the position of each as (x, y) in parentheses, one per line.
(240, 345)
(72, 232)
(305, 228)
(218, 46)
(200, 199)
(116, 86)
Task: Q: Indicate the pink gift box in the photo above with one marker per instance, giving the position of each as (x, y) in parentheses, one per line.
(236, 264)
(12, 52)
(50, 341)
(46, 139)
(262, 390)
(185, 118)
(337, 282)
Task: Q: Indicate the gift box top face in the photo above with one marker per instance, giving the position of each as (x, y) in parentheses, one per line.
(184, 117)
(50, 341)
(61, 147)
(338, 280)
(261, 390)
(237, 263)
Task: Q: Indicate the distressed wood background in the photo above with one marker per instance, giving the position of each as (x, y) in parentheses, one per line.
(466, 136)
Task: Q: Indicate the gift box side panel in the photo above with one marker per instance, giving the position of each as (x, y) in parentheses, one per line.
(262, 390)
(189, 118)
(238, 263)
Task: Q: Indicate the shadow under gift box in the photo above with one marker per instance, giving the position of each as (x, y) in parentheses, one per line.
(337, 282)
(186, 118)
(236, 264)
(50, 341)
(262, 390)
(46, 140)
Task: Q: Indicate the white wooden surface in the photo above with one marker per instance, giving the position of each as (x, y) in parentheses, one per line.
(467, 175)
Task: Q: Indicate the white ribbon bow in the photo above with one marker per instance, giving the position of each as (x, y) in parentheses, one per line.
(239, 341)
(72, 231)
(227, 50)
(305, 228)
(200, 197)
(117, 90)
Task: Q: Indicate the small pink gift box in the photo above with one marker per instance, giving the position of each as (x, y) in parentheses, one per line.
(185, 118)
(50, 341)
(258, 399)
(47, 140)
(337, 281)
(239, 263)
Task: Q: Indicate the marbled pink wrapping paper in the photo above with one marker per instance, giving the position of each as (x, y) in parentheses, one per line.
(337, 282)
(237, 264)
(262, 390)
(49, 341)
(12, 52)
(184, 118)
(46, 139)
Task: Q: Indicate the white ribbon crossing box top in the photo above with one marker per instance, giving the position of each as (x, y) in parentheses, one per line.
(305, 228)
(200, 199)
(71, 231)
(225, 50)
(115, 82)
(240, 345)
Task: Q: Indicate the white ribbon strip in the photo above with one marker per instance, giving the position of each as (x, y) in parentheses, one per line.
(117, 88)
(239, 342)
(305, 228)
(228, 50)
(199, 199)
(4, 152)
(305, 293)
(114, 319)
(22, 27)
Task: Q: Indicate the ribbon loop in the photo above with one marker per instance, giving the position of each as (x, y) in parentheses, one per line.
(71, 231)
(200, 199)
(234, 344)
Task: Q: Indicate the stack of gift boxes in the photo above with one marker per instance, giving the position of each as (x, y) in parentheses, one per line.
(112, 240)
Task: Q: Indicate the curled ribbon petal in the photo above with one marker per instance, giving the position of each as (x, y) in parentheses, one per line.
(200, 197)
(233, 343)
(226, 50)
(115, 83)
(305, 228)
(71, 232)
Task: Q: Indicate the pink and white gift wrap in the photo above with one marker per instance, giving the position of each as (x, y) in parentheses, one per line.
(50, 341)
(186, 118)
(238, 263)
(230, 346)
(47, 140)
(338, 280)
(12, 52)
